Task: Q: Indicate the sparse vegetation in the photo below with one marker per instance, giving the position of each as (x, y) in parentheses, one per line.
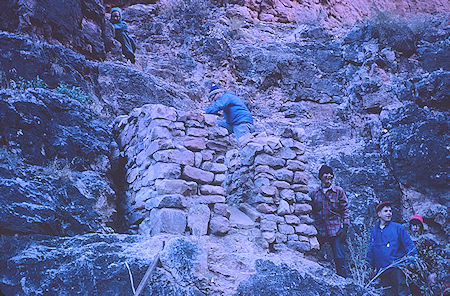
(392, 31)
(72, 91)
(361, 273)
(33, 83)
(190, 13)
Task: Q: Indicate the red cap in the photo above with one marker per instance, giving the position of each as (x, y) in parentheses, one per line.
(382, 204)
(417, 217)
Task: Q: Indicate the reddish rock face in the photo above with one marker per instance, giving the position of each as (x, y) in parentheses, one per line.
(330, 12)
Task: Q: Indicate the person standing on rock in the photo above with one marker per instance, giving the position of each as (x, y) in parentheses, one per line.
(237, 117)
(331, 216)
(390, 247)
(122, 35)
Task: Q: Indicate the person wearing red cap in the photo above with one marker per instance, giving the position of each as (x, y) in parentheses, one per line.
(416, 225)
(331, 217)
(389, 247)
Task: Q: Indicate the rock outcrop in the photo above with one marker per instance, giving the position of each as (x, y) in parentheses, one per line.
(55, 156)
(372, 100)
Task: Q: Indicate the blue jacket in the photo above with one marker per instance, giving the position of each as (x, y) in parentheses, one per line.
(234, 110)
(389, 244)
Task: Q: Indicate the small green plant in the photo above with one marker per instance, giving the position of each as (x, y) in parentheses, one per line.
(34, 83)
(360, 271)
(74, 92)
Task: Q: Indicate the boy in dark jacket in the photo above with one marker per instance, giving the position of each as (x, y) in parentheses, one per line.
(389, 246)
(237, 117)
(122, 35)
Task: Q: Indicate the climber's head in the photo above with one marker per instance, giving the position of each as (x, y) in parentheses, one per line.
(116, 15)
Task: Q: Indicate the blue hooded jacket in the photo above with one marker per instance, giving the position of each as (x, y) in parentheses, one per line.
(234, 110)
(122, 35)
(389, 244)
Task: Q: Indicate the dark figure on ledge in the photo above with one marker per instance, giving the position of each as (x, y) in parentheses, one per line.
(122, 34)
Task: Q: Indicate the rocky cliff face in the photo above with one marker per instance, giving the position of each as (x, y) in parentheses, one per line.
(372, 99)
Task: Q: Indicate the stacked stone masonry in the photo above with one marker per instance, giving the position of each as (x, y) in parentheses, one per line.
(186, 175)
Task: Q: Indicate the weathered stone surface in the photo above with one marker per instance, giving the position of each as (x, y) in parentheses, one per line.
(211, 119)
(266, 208)
(240, 220)
(287, 195)
(182, 187)
(160, 170)
(159, 132)
(197, 132)
(250, 211)
(209, 199)
(302, 208)
(218, 145)
(221, 209)
(142, 195)
(152, 147)
(281, 184)
(300, 188)
(292, 237)
(271, 161)
(172, 201)
(195, 144)
(305, 219)
(295, 165)
(285, 229)
(268, 190)
(269, 236)
(314, 243)
(158, 111)
(286, 153)
(260, 182)
(212, 190)
(219, 225)
(301, 197)
(179, 156)
(219, 179)
(291, 219)
(198, 218)
(280, 238)
(208, 155)
(198, 175)
(198, 159)
(164, 221)
(284, 175)
(307, 230)
(268, 225)
(214, 167)
(299, 246)
(300, 178)
(283, 208)
(248, 153)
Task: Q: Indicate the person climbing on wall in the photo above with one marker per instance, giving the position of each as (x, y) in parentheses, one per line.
(122, 34)
(237, 117)
(390, 249)
(331, 217)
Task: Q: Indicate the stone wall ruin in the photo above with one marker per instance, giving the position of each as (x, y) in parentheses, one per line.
(186, 175)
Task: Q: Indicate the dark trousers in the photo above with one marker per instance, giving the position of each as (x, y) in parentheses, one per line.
(338, 246)
(394, 281)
